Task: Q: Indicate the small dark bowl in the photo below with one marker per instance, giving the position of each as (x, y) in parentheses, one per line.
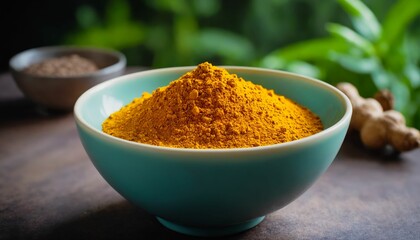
(60, 93)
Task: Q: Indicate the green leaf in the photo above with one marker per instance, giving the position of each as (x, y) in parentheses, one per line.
(355, 64)
(272, 61)
(295, 66)
(402, 13)
(416, 109)
(304, 68)
(174, 6)
(117, 12)
(205, 7)
(86, 16)
(382, 79)
(223, 43)
(185, 28)
(110, 37)
(412, 72)
(401, 93)
(310, 49)
(351, 37)
(362, 18)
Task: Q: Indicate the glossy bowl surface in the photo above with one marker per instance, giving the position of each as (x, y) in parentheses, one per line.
(211, 192)
(60, 93)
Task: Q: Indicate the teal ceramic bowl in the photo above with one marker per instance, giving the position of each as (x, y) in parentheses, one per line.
(211, 192)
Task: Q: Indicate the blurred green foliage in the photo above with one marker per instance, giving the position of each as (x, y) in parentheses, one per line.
(373, 44)
(161, 33)
(370, 55)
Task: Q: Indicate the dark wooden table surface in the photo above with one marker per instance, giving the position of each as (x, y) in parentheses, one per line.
(49, 189)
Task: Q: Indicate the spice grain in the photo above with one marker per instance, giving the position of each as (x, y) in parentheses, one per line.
(211, 108)
(64, 66)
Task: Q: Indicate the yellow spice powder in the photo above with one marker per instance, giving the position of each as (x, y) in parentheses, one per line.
(210, 108)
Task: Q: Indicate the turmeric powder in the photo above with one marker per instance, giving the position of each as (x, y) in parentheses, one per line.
(210, 108)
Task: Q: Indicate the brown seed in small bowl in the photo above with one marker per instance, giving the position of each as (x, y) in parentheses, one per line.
(69, 65)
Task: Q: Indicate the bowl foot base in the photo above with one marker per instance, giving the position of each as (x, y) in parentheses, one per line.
(211, 231)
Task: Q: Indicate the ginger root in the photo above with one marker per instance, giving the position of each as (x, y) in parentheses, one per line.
(378, 127)
(385, 98)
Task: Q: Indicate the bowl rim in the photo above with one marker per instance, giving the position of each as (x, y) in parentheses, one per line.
(342, 122)
(115, 67)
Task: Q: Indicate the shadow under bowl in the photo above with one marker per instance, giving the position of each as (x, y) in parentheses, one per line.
(212, 192)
